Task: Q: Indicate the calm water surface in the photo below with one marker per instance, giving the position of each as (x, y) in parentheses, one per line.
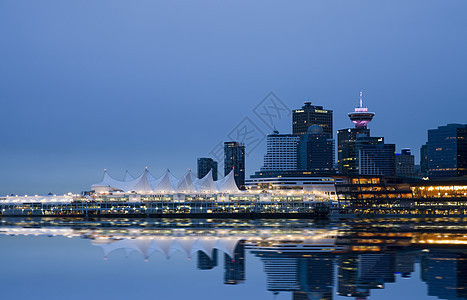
(233, 259)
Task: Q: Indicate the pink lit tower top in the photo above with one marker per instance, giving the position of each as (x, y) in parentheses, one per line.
(361, 116)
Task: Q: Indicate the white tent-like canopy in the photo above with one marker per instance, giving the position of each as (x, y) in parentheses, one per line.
(186, 184)
(127, 176)
(167, 184)
(207, 184)
(227, 184)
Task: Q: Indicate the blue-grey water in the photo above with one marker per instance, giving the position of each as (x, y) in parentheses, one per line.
(233, 259)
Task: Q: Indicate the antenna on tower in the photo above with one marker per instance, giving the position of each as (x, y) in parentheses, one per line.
(361, 99)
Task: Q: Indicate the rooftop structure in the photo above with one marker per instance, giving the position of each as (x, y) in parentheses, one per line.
(361, 116)
(167, 184)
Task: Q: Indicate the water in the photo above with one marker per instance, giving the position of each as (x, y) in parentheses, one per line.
(233, 259)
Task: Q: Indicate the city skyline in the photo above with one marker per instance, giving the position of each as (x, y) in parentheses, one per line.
(120, 94)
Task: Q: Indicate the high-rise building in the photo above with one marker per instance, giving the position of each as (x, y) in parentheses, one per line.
(357, 152)
(346, 153)
(234, 159)
(424, 160)
(374, 157)
(206, 164)
(311, 115)
(405, 163)
(315, 150)
(281, 152)
(447, 151)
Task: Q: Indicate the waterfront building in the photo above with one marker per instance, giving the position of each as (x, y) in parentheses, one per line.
(447, 151)
(311, 115)
(315, 151)
(234, 159)
(166, 184)
(316, 185)
(393, 195)
(206, 164)
(405, 163)
(281, 152)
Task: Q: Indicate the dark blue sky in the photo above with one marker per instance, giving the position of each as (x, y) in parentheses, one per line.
(88, 85)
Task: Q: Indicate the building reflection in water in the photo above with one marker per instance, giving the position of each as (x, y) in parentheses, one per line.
(349, 258)
(235, 265)
(206, 262)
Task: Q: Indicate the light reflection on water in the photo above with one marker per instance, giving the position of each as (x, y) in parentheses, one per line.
(230, 259)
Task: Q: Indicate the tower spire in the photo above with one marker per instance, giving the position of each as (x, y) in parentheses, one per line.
(361, 116)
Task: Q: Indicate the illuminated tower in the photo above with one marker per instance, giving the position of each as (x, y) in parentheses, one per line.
(361, 116)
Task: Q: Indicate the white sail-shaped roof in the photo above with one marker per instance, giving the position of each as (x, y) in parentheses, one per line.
(206, 184)
(163, 184)
(127, 177)
(228, 184)
(167, 184)
(107, 181)
(185, 184)
(151, 177)
(141, 184)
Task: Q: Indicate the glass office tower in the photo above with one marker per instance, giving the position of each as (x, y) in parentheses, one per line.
(447, 151)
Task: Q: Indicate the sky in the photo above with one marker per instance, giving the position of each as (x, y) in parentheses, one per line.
(121, 85)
